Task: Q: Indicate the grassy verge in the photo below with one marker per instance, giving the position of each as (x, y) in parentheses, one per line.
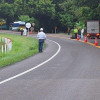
(23, 47)
(1, 43)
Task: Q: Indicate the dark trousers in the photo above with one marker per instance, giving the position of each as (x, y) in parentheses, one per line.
(41, 41)
(75, 35)
(21, 33)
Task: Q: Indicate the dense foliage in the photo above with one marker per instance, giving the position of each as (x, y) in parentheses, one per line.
(51, 13)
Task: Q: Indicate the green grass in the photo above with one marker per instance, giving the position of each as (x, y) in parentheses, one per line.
(1, 43)
(22, 48)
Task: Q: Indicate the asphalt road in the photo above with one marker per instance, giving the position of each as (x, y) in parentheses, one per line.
(66, 70)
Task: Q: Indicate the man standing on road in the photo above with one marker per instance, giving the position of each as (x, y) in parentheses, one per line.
(41, 36)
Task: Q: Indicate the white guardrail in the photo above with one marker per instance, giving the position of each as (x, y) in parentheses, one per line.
(6, 46)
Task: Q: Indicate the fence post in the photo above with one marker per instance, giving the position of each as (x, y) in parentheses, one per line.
(2, 48)
(5, 48)
(7, 45)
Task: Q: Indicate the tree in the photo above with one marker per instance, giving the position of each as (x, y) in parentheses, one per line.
(83, 14)
(66, 15)
(9, 1)
(51, 13)
(7, 12)
(45, 13)
(26, 18)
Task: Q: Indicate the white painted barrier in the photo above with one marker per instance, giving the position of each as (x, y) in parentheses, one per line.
(7, 45)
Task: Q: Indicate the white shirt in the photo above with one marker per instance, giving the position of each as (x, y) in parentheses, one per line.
(25, 31)
(41, 35)
(82, 31)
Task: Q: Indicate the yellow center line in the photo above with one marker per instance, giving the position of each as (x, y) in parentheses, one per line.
(74, 40)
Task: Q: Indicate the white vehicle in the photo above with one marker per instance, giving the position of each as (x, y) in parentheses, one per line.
(93, 29)
(17, 25)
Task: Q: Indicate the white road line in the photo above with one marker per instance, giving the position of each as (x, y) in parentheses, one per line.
(25, 72)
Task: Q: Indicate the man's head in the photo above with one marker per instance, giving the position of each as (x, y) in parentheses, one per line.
(41, 29)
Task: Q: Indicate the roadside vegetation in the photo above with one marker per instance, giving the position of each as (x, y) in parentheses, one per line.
(1, 43)
(22, 48)
(50, 14)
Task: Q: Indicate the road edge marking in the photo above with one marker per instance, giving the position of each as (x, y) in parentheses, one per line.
(75, 40)
(33, 68)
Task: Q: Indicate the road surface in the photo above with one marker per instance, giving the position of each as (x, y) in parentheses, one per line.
(66, 70)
